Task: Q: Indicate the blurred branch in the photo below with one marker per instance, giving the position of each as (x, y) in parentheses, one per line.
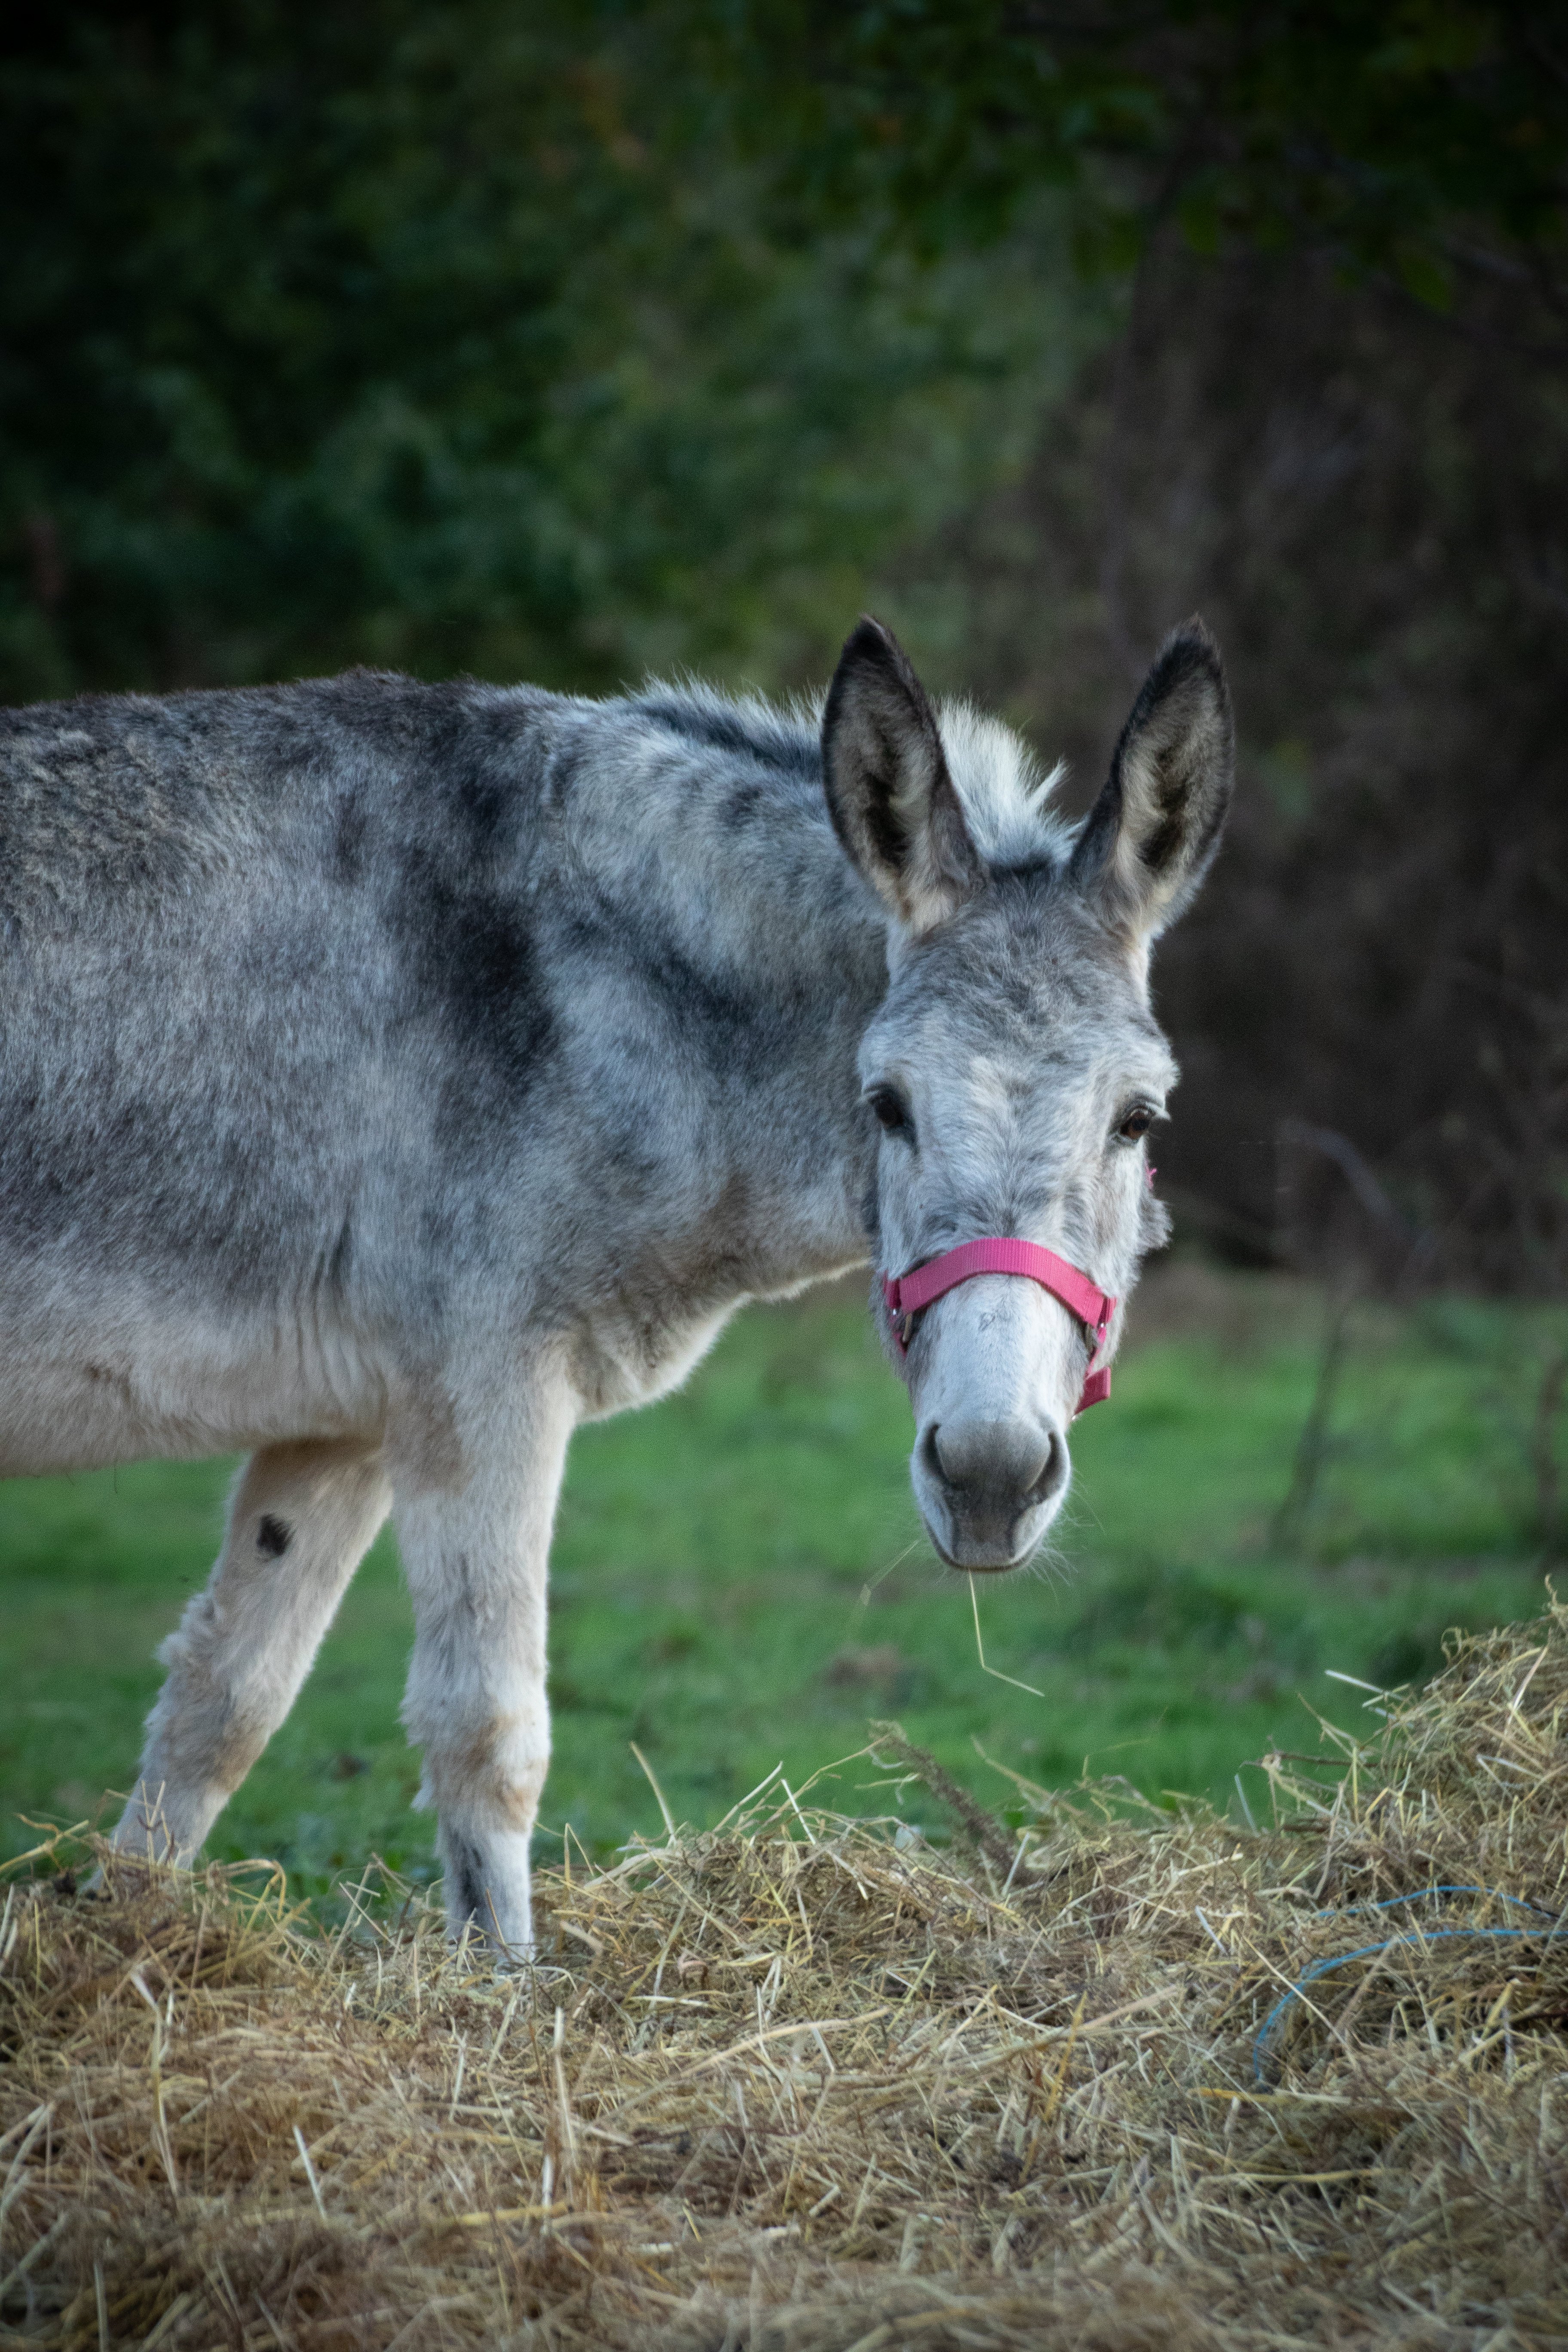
(1416, 1246)
(1314, 1444)
(1352, 1167)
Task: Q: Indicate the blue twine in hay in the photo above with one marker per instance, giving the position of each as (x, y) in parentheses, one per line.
(1261, 2052)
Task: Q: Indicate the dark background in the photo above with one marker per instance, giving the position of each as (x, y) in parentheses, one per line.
(569, 340)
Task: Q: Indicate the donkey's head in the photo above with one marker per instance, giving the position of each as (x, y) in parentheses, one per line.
(1015, 1068)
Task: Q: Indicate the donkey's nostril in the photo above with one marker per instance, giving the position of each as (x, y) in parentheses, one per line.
(1053, 1477)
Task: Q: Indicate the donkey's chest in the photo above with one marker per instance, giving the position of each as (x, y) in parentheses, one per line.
(642, 1342)
(616, 1362)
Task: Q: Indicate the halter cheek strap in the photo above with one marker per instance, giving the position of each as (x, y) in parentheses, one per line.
(906, 1294)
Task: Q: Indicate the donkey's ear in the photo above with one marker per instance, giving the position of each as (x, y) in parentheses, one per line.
(889, 791)
(1150, 837)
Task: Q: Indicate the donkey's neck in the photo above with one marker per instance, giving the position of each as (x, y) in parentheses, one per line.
(754, 957)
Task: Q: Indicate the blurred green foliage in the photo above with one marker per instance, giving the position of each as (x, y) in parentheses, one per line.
(564, 340)
(437, 338)
(1388, 131)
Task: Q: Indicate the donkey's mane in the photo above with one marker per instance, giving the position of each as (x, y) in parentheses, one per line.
(776, 735)
(1007, 794)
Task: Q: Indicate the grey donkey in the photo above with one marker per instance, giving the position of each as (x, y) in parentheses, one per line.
(395, 1076)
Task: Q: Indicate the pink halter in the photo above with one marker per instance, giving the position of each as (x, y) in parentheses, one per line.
(906, 1294)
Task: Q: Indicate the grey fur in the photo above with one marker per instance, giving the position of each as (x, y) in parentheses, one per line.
(395, 1076)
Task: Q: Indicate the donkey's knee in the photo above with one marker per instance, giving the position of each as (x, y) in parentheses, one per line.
(492, 1772)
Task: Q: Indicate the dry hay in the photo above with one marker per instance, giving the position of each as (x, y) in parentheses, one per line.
(794, 2084)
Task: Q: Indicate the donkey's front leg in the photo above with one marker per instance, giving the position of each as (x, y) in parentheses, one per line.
(476, 1559)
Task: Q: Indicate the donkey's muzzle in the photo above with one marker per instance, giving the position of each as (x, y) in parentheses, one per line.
(988, 1490)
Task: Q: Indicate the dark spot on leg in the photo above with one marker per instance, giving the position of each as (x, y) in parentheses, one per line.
(273, 1536)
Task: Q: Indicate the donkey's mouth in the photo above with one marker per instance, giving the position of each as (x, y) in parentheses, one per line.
(984, 1567)
(978, 1567)
(995, 1550)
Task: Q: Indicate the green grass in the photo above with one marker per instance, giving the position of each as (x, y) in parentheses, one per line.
(740, 1580)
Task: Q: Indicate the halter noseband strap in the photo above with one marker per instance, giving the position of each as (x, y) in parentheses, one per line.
(906, 1294)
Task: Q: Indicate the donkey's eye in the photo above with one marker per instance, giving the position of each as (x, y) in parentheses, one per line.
(1137, 1123)
(889, 1110)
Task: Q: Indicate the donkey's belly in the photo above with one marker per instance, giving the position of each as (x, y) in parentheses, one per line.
(78, 1399)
